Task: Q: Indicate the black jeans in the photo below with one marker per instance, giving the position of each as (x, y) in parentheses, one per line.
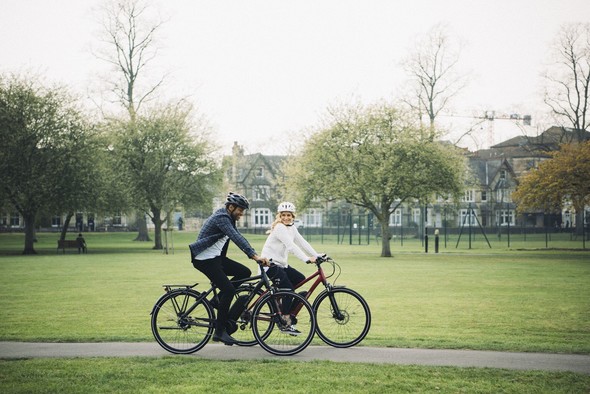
(218, 270)
(285, 278)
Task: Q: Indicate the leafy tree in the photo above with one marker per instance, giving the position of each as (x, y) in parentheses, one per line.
(45, 153)
(567, 91)
(374, 158)
(563, 178)
(164, 163)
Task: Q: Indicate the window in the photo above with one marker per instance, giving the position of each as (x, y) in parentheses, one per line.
(261, 193)
(395, 219)
(503, 195)
(313, 218)
(262, 217)
(468, 196)
(467, 217)
(505, 217)
(117, 221)
(503, 175)
(484, 196)
(56, 221)
(260, 172)
(417, 215)
(15, 219)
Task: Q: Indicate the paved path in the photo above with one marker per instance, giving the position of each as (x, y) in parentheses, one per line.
(459, 358)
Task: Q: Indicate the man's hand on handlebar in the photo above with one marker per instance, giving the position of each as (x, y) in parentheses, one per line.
(262, 260)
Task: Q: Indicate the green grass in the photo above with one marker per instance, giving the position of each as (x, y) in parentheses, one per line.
(187, 374)
(498, 299)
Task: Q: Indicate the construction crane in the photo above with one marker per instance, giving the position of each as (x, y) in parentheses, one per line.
(490, 117)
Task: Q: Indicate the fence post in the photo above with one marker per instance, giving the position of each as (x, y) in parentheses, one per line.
(436, 241)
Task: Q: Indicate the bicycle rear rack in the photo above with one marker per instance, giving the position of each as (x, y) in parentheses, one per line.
(169, 288)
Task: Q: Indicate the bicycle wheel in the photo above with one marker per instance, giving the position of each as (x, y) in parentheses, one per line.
(273, 334)
(343, 317)
(240, 315)
(178, 332)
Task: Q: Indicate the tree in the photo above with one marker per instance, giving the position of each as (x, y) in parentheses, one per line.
(129, 48)
(556, 181)
(166, 163)
(375, 158)
(432, 68)
(568, 79)
(45, 151)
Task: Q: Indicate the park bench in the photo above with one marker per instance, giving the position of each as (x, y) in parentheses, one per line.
(70, 244)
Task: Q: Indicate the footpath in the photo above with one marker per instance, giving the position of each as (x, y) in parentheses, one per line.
(433, 357)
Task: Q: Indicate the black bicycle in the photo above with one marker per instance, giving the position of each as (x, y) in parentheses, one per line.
(183, 319)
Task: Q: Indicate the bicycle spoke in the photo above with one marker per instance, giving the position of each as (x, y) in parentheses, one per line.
(272, 332)
(176, 331)
(343, 317)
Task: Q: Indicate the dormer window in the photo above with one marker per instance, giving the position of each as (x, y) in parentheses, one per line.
(260, 172)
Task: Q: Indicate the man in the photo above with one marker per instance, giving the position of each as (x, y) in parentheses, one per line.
(208, 255)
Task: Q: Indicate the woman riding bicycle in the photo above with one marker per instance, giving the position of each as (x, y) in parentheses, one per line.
(284, 238)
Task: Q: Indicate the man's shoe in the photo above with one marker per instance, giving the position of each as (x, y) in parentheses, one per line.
(214, 302)
(225, 338)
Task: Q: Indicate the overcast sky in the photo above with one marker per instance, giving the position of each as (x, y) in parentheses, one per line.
(261, 71)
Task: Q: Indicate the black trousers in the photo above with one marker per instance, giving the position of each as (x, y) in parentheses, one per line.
(218, 270)
(285, 278)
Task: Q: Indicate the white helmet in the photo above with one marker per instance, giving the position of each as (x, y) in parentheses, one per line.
(286, 207)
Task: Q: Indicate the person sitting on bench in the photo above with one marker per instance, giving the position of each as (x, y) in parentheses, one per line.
(81, 243)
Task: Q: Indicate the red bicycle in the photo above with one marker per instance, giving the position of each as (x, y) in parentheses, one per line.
(342, 315)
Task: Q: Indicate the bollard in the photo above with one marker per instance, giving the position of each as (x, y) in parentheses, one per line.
(436, 241)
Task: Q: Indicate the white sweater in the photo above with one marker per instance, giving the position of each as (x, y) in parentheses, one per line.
(284, 240)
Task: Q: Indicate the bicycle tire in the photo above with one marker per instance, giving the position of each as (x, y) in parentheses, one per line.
(243, 333)
(354, 322)
(266, 325)
(182, 334)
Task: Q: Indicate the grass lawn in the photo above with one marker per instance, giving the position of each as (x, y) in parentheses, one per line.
(480, 298)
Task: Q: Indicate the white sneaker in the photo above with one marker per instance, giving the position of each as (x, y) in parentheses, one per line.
(291, 330)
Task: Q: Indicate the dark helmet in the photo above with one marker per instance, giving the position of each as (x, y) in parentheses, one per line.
(237, 199)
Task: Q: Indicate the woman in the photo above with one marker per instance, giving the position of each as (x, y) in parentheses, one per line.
(284, 238)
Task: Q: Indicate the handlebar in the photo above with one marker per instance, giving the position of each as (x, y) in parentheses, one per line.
(320, 259)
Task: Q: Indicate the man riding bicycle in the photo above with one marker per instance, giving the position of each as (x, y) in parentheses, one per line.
(208, 255)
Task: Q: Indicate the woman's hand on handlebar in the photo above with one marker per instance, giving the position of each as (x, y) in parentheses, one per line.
(318, 259)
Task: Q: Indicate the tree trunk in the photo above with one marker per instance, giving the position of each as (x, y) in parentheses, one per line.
(157, 229)
(64, 229)
(29, 233)
(385, 238)
(142, 230)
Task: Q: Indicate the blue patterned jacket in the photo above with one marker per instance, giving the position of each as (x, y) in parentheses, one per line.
(216, 227)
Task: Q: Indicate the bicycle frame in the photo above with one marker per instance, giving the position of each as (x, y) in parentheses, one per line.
(263, 281)
(320, 278)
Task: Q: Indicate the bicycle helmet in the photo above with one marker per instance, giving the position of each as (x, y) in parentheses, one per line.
(286, 207)
(238, 200)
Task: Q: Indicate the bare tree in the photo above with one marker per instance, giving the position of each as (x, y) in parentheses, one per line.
(129, 46)
(568, 78)
(434, 77)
